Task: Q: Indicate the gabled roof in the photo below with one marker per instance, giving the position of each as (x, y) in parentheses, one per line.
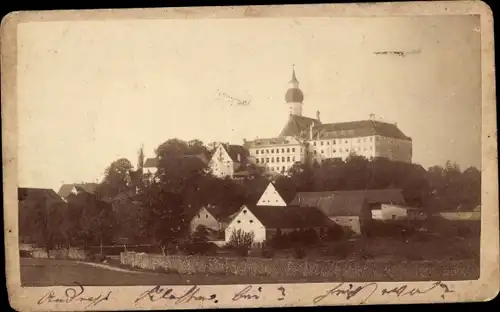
(358, 129)
(298, 126)
(236, 150)
(348, 203)
(289, 217)
(38, 194)
(65, 189)
(151, 163)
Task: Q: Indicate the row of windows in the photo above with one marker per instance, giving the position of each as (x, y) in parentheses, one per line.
(266, 160)
(357, 149)
(339, 141)
(272, 151)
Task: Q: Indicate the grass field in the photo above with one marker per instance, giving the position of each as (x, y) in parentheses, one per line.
(44, 272)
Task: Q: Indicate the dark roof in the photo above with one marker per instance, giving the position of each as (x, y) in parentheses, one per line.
(237, 150)
(221, 215)
(37, 194)
(358, 129)
(294, 95)
(289, 217)
(151, 163)
(298, 126)
(347, 203)
(65, 189)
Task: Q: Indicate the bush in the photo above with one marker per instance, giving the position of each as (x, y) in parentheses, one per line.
(198, 248)
(299, 252)
(241, 241)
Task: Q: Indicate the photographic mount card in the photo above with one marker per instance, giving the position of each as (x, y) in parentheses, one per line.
(250, 156)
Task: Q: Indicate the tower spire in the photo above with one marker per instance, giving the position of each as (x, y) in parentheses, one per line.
(294, 96)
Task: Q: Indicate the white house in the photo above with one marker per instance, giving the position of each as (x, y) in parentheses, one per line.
(388, 212)
(271, 197)
(214, 219)
(265, 221)
(227, 160)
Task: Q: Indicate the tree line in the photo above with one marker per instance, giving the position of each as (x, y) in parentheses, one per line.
(128, 209)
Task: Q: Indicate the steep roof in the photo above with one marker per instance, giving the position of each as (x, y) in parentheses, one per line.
(298, 126)
(236, 150)
(65, 189)
(38, 194)
(358, 129)
(347, 203)
(289, 216)
(151, 163)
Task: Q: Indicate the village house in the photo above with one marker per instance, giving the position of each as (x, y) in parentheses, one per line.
(271, 197)
(214, 219)
(75, 189)
(349, 209)
(228, 161)
(266, 221)
(390, 212)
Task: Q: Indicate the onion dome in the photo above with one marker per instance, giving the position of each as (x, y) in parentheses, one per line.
(294, 94)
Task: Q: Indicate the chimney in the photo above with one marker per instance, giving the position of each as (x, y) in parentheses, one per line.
(317, 115)
(372, 116)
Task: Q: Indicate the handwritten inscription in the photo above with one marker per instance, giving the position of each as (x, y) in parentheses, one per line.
(247, 293)
(349, 291)
(74, 294)
(233, 100)
(407, 291)
(159, 293)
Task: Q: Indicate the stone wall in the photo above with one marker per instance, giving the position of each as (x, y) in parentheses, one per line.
(338, 270)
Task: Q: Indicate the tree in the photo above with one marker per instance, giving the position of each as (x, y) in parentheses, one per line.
(162, 216)
(116, 178)
(200, 234)
(44, 221)
(95, 221)
(241, 241)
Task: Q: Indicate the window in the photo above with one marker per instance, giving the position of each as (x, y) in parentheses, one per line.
(333, 142)
(257, 152)
(293, 158)
(206, 216)
(314, 143)
(283, 168)
(267, 160)
(333, 150)
(293, 149)
(272, 151)
(272, 159)
(257, 160)
(315, 152)
(288, 158)
(283, 159)
(238, 221)
(267, 151)
(277, 159)
(347, 150)
(288, 150)
(251, 221)
(245, 211)
(322, 151)
(327, 142)
(282, 150)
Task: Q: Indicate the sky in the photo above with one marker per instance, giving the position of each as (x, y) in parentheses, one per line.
(90, 92)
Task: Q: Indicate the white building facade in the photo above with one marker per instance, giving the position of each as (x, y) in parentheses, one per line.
(308, 139)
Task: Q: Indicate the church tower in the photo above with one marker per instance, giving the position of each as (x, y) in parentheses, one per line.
(294, 96)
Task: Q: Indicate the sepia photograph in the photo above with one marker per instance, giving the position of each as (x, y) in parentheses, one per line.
(239, 148)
